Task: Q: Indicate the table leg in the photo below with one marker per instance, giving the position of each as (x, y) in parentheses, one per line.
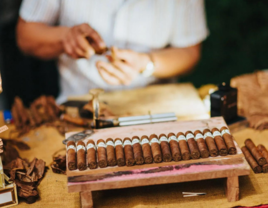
(232, 188)
(86, 199)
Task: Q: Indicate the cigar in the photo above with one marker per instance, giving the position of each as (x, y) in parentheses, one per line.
(201, 143)
(128, 150)
(156, 149)
(137, 149)
(252, 162)
(111, 161)
(119, 152)
(265, 168)
(255, 153)
(263, 151)
(81, 155)
(185, 152)
(146, 149)
(71, 152)
(219, 142)
(213, 150)
(195, 154)
(91, 154)
(101, 149)
(166, 153)
(174, 147)
(229, 141)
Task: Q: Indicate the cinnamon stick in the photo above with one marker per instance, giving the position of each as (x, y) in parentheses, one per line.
(119, 152)
(255, 153)
(71, 155)
(219, 142)
(137, 149)
(185, 152)
(110, 152)
(165, 149)
(128, 150)
(91, 154)
(229, 141)
(213, 150)
(102, 156)
(174, 147)
(81, 155)
(195, 154)
(146, 149)
(252, 162)
(199, 138)
(156, 150)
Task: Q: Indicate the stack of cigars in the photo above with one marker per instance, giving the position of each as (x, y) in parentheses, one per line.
(257, 157)
(145, 150)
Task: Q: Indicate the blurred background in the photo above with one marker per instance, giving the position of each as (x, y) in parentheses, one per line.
(237, 44)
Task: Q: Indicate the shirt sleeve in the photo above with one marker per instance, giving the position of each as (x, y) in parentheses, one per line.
(45, 11)
(189, 27)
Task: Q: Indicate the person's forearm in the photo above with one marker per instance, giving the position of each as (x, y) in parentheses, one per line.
(39, 39)
(172, 62)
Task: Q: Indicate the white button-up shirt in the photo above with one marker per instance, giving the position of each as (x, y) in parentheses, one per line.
(140, 25)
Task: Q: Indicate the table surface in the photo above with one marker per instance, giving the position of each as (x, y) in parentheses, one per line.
(179, 98)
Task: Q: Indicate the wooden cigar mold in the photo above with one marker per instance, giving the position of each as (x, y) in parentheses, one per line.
(160, 143)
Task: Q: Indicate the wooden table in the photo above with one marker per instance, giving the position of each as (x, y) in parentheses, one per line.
(181, 99)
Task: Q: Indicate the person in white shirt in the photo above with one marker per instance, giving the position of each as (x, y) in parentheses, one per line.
(150, 39)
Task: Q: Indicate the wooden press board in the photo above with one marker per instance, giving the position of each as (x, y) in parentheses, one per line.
(230, 166)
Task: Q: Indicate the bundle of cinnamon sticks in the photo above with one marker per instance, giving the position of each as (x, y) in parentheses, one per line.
(257, 157)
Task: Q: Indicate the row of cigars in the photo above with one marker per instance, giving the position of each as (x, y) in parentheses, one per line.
(150, 149)
(257, 157)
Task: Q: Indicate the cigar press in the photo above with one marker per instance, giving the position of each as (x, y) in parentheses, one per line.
(99, 122)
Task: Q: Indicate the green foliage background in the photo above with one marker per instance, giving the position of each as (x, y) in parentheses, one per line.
(238, 41)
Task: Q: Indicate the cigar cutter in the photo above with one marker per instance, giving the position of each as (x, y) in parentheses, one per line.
(78, 136)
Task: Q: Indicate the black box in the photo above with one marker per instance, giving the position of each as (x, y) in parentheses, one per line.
(223, 102)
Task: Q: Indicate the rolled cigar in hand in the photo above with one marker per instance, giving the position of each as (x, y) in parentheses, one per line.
(102, 157)
(156, 150)
(110, 152)
(128, 150)
(174, 147)
(195, 154)
(219, 142)
(213, 150)
(81, 155)
(119, 152)
(146, 149)
(199, 138)
(166, 153)
(137, 149)
(229, 141)
(185, 152)
(252, 162)
(71, 155)
(91, 154)
(254, 151)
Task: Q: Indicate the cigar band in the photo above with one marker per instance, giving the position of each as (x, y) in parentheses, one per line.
(198, 136)
(145, 141)
(127, 142)
(164, 139)
(90, 145)
(135, 141)
(118, 142)
(101, 144)
(216, 133)
(110, 143)
(225, 131)
(189, 136)
(71, 147)
(182, 137)
(154, 140)
(208, 134)
(172, 138)
(80, 147)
